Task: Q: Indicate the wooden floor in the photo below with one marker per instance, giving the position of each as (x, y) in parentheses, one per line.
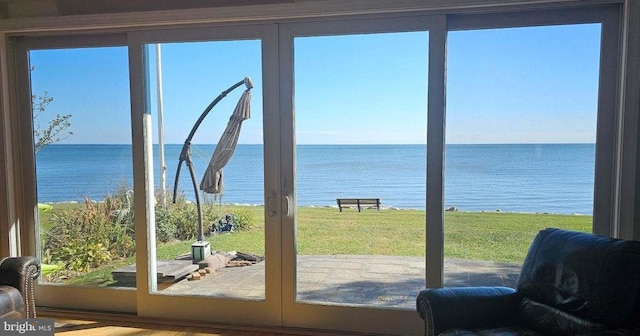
(87, 324)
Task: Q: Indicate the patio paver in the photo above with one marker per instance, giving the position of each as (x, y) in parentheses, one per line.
(377, 281)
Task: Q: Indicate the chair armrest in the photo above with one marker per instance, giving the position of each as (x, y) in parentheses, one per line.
(467, 307)
(21, 273)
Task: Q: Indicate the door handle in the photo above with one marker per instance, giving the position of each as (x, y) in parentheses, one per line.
(286, 206)
(271, 206)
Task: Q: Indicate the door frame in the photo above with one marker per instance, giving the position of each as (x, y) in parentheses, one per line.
(349, 318)
(156, 304)
(611, 145)
(49, 294)
(19, 206)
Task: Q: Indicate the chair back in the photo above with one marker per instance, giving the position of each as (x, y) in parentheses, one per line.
(593, 277)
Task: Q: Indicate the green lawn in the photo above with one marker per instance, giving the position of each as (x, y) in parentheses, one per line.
(501, 236)
(468, 235)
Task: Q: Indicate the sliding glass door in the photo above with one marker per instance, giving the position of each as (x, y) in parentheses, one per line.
(354, 151)
(200, 105)
(520, 150)
(82, 179)
(527, 136)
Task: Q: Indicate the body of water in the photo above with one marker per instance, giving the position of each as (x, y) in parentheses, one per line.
(553, 178)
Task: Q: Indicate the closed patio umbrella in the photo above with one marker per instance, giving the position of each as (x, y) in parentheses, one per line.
(212, 181)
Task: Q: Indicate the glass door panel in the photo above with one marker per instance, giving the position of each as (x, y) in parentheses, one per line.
(520, 144)
(360, 132)
(208, 119)
(207, 256)
(82, 145)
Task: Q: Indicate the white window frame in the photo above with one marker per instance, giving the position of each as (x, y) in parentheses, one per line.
(615, 202)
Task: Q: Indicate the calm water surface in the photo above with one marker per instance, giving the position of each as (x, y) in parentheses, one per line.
(554, 178)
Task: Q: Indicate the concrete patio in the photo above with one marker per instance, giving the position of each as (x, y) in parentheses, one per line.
(355, 280)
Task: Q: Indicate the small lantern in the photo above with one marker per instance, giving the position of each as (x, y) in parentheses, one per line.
(200, 250)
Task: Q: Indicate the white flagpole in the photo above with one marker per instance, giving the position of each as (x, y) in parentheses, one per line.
(163, 166)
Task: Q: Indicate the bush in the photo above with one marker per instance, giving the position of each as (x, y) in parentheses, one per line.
(244, 220)
(82, 254)
(184, 218)
(96, 233)
(179, 220)
(89, 236)
(165, 228)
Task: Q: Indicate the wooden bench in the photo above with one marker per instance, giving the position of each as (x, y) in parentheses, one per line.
(361, 203)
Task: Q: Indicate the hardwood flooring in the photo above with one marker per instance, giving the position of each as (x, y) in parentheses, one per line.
(88, 324)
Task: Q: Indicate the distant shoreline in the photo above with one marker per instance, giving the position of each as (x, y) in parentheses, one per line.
(386, 208)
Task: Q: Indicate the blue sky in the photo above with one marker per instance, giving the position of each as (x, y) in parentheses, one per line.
(522, 85)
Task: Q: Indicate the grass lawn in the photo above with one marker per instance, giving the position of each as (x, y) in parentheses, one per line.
(468, 235)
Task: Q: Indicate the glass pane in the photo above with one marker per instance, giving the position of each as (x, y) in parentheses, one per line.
(360, 103)
(221, 255)
(520, 153)
(82, 136)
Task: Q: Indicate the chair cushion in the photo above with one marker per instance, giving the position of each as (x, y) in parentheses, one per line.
(592, 277)
(11, 302)
(551, 321)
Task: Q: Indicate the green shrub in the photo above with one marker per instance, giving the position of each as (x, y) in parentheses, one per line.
(184, 217)
(243, 219)
(92, 234)
(165, 228)
(82, 254)
(89, 236)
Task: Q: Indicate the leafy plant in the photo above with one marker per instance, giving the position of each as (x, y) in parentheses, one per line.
(97, 234)
(243, 219)
(90, 235)
(184, 217)
(82, 254)
(165, 228)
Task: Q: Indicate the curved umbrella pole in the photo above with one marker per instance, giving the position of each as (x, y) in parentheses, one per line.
(185, 154)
